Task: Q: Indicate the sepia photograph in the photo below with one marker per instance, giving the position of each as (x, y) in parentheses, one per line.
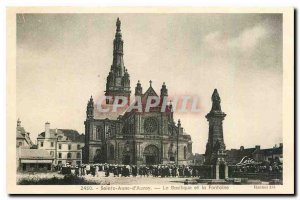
(150, 101)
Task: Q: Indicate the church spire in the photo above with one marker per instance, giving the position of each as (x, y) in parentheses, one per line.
(90, 109)
(118, 63)
(163, 90)
(138, 89)
(118, 79)
(118, 24)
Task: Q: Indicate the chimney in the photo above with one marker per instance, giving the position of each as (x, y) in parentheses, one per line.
(257, 147)
(47, 130)
(242, 148)
(280, 144)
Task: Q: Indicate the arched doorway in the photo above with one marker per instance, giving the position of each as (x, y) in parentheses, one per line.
(151, 154)
(126, 160)
(100, 156)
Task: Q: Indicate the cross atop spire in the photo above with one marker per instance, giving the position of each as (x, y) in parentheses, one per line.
(150, 83)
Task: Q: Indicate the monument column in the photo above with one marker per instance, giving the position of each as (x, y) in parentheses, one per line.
(215, 153)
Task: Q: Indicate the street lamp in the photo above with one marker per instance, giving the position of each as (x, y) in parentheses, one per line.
(177, 148)
(106, 142)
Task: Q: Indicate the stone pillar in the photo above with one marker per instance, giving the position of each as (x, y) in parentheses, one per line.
(165, 153)
(226, 171)
(217, 172)
(116, 152)
(93, 132)
(139, 154)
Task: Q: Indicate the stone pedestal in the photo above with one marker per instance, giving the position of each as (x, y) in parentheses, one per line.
(216, 171)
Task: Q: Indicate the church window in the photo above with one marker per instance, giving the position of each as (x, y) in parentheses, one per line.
(78, 146)
(150, 125)
(42, 144)
(59, 146)
(99, 133)
(59, 155)
(52, 144)
(69, 147)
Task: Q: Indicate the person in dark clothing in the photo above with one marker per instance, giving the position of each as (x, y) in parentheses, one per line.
(134, 171)
(107, 172)
(93, 170)
(115, 170)
(77, 171)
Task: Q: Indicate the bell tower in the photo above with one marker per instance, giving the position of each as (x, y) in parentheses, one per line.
(90, 109)
(118, 79)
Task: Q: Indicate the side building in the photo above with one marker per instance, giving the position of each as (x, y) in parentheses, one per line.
(23, 137)
(268, 155)
(27, 157)
(235, 156)
(64, 145)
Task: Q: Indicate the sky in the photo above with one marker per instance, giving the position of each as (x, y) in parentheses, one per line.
(63, 59)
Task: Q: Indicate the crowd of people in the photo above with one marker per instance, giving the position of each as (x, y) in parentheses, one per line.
(259, 168)
(130, 170)
(184, 171)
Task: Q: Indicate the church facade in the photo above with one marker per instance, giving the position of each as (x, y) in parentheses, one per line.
(133, 137)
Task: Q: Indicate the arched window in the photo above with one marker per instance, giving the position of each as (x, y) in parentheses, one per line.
(99, 133)
(184, 152)
(52, 153)
(112, 152)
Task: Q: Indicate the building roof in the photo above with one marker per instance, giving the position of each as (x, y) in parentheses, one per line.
(272, 151)
(65, 134)
(235, 155)
(22, 134)
(34, 154)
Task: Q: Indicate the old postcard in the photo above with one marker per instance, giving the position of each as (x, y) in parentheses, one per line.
(150, 100)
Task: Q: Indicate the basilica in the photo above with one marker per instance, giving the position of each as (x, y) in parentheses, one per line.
(133, 137)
